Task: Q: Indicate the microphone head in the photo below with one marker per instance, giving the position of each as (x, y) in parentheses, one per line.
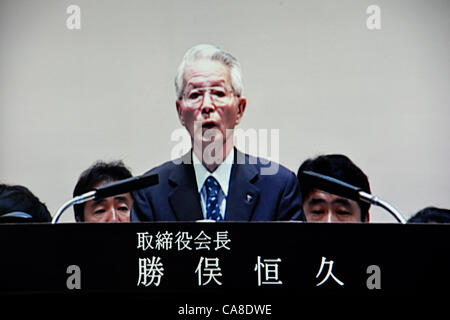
(330, 185)
(126, 185)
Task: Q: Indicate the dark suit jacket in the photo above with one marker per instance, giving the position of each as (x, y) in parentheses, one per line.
(252, 196)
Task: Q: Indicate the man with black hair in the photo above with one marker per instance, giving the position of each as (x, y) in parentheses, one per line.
(431, 215)
(113, 209)
(19, 204)
(321, 206)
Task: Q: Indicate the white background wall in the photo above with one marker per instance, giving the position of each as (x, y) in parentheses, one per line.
(312, 70)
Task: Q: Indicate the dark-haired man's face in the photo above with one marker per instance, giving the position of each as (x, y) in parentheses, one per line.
(113, 209)
(321, 206)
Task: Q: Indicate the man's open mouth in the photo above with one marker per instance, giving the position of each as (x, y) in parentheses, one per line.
(208, 125)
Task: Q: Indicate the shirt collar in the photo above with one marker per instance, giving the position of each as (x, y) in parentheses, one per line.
(221, 174)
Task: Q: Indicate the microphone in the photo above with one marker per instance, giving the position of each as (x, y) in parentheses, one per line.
(343, 189)
(16, 216)
(112, 189)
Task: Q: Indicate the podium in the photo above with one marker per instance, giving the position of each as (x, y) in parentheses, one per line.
(249, 263)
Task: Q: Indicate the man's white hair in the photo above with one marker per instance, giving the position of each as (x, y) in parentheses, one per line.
(212, 52)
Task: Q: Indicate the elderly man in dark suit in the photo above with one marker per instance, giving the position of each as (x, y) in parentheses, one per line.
(214, 180)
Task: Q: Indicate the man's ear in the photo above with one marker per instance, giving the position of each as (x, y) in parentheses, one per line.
(242, 104)
(179, 111)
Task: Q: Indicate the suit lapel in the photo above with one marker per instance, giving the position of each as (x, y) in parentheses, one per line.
(184, 198)
(243, 194)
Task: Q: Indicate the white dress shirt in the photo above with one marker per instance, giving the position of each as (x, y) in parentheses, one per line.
(221, 174)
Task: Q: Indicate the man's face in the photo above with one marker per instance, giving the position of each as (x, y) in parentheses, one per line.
(321, 206)
(209, 100)
(113, 209)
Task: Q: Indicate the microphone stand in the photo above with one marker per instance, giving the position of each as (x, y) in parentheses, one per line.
(77, 200)
(112, 189)
(343, 189)
(367, 197)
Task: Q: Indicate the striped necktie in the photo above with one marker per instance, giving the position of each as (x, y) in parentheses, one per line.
(212, 199)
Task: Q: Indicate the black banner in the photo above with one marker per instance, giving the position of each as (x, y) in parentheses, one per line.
(253, 265)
